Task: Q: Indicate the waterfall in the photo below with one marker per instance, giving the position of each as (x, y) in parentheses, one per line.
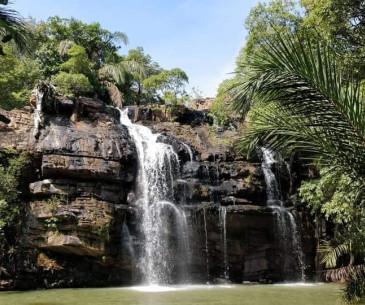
(206, 173)
(206, 245)
(215, 161)
(190, 152)
(189, 167)
(288, 235)
(158, 165)
(222, 222)
(127, 239)
(297, 245)
(38, 115)
(272, 188)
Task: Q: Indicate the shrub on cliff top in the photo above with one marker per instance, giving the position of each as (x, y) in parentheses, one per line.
(72, 84)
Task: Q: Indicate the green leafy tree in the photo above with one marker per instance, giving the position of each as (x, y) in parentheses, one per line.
(101, 45)
(339, 198)
(17, 78)
(72, 84)
(54, 38)
(74, 81)
(334, 195)
(305, 104)
(135, 91)
(11, 169)
(341, 23)
(221, 108)
(169, 84)
(78, 61)
(264, 20)
(150, 67)
(118, 79)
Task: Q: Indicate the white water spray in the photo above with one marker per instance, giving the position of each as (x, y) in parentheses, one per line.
(288, 235)
(158, 165)
(38, 115)
(190, 152)
(223, 225)
(206, 245)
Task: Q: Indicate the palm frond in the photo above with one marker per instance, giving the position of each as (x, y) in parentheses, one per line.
(354, 289)
(136, 68)
(64, 46)
(115, 72)
(279, 130)
(330, 254)
(118, 72)
(11, 24)
(340, 275)
(122, 37)
(314, 108)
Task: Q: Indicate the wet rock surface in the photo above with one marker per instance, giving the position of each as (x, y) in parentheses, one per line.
(83, 170)
(80, 226)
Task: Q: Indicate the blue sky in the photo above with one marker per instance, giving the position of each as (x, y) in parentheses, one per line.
(202, 37)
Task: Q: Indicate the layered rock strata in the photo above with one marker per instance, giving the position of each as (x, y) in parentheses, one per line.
(80, 227)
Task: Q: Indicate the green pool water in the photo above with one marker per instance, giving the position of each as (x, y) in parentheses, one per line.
(295, 294)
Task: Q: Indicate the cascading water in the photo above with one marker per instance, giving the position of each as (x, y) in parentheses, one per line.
(127, 240)
(157, 168)
(38, 115)
(206, 245)
(215, 161)
(190, 152)
(272, 188)
(223, 225)
(288, 235)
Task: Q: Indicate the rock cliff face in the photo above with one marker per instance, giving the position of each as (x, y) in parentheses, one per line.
(83, 173)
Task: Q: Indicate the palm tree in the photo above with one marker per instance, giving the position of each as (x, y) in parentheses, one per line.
(348, 247)
(13, 27)
(117, 75)
(301, 101)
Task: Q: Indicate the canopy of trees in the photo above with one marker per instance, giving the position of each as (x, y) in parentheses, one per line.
(79, 59)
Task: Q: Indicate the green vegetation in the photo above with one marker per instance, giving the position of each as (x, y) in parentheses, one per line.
(72, 84)
(103, 231)
(52, 203)
(221, 109)
(80, 59)
(299, 83)
(13, 29)
(12, 166)
(263, 22)
(168, 85)
(52, 224)
(17, 78)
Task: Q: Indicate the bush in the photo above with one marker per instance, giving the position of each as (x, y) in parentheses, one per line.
(72, 84)
(17, 78)
(11, 169)
(221, 109)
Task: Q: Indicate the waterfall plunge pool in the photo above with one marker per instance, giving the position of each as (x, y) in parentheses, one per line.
(279, 294)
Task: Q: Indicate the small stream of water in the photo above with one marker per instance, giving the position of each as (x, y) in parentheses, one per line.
(206, 245)
(223, 225)
(287, 231)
